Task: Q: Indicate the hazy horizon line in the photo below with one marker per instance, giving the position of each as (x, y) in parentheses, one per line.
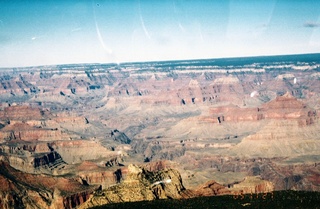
(168, 60)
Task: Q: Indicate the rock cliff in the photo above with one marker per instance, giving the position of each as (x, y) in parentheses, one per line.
(222, 120)
(210, 188)
(139, 185)
(39, 191)
(282, 107)
(253, 184)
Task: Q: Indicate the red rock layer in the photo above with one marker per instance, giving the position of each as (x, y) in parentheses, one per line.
(210, 188)
(283, 107)
(39, 191)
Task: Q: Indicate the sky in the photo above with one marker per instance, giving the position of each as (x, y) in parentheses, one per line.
(36, 32)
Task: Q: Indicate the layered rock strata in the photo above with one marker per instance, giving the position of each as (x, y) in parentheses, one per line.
(139, 185)
(23, 190)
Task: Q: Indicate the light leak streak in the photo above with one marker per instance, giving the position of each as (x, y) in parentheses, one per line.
(166, 181)
(104, 46)
(142, 23)
(76, 29)
(181, 27)
(253, 93)
(201, 36)
(176, 12)
(37, 37)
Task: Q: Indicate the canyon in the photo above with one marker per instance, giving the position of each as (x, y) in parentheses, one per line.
(82, 135)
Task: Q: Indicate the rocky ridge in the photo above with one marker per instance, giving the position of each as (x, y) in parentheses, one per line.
(91, 121)
(140, 184)
(24, 190)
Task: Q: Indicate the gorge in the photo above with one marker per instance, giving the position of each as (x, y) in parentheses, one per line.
(82, 135)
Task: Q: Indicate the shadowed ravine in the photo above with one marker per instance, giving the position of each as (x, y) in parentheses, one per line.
(84, 135)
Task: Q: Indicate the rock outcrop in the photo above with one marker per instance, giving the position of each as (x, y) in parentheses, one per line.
(76, 151)
(253, 184)
(210, 119)
(140, 185)
(92, 174)
(283, 107)
(39, 191)
(23, 113)
(32, 158)
(210, 188)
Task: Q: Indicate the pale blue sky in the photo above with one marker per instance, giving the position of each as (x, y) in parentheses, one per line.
(61, 32)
